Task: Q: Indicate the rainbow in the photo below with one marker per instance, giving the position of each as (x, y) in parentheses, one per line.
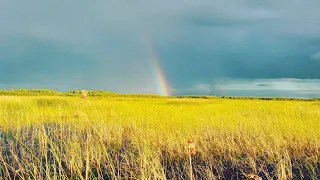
(162, 84)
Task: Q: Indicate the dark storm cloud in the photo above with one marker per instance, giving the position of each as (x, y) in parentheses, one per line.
(262, 85)
(74, 45)
(101, 45)
(246, 40)
(40, 62)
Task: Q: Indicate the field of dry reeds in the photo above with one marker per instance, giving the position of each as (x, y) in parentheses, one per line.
(147, 138)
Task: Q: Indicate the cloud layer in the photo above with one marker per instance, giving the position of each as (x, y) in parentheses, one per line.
(288, 87)
(102, 45)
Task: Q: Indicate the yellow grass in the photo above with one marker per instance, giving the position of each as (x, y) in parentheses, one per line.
(68, 138)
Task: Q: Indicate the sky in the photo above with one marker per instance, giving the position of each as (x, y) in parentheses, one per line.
(182, 47)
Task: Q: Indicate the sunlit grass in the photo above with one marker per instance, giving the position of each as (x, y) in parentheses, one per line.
(63, 138)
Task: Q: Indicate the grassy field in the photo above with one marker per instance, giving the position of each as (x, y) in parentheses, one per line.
(147, 138)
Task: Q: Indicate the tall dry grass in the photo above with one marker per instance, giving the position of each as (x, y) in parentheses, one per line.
(67, 138)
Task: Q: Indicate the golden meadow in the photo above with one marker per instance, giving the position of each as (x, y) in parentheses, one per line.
(55, 137)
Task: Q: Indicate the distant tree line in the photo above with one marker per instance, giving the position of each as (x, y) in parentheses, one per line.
(270, 98)
(30, 92)
(72, 93)
(102, 93)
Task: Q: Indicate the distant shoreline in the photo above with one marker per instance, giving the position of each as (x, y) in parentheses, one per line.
(103, 93)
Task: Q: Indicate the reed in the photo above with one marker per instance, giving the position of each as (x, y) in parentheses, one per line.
(140, 138)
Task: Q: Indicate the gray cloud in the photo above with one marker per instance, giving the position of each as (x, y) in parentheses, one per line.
(257, 87)
(101, 45)
(263, 85)
(316, 56)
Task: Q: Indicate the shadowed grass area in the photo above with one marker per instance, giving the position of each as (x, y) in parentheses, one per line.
(67, 138)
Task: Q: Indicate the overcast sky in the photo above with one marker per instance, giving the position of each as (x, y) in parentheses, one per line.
(229, 47)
